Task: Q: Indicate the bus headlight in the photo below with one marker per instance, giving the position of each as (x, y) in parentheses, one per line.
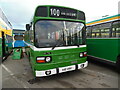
(48, 59)
(81, 54)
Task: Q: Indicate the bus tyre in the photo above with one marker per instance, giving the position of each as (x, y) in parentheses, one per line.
(118, 64)
(29, 57)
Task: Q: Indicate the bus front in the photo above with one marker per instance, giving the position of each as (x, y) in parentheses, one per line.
(57, 40)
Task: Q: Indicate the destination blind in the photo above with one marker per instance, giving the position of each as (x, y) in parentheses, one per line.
(59, 12)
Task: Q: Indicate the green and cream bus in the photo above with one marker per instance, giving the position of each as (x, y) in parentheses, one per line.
(5, 36)
(56, 40)
(103, 39)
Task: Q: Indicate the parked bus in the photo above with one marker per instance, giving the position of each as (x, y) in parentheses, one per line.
(5, 36)
(56, 37)
(103, 39)
(18, 41)
(18, 38)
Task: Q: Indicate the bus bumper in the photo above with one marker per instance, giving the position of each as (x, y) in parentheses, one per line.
(60, 70)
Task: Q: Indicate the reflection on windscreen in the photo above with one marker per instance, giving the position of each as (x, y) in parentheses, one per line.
(60, 33)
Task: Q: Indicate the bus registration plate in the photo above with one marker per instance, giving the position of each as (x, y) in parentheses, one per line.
(65, 69)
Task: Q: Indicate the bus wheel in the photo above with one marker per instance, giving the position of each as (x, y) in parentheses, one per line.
(118, 64)
(29, 57)
(32, 81)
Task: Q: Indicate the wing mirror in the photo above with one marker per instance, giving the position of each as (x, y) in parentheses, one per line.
(28, 27)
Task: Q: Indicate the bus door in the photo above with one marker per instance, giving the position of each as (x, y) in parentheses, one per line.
(3, 44)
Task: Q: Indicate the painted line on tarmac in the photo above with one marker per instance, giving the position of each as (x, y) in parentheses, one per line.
(88, 70)
(19, 81)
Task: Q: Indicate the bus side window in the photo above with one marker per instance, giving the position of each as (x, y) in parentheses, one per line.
(113, 32)
(96, 31)
(105, 30)
(105, 33)
(118, 32)
(89, 32)
(116, 29)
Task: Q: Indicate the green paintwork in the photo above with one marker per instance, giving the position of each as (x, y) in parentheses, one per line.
(51, 18)
(107, 49)
(8, 48)
(60, 58)
(0, 47)
(119, 46)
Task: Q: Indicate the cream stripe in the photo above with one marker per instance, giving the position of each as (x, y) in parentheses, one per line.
(105, 20)
(56, 48)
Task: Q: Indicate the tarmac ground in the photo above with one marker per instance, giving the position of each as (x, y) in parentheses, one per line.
(18, 74)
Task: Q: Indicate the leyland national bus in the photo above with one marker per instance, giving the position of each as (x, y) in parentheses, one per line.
(103, 39)
(56, 40)
(5, 36)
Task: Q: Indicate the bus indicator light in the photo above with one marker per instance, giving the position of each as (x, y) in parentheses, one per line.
(85, 54)
(43, 59)
(40, 60)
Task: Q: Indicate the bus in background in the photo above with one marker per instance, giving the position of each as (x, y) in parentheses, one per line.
(18, 41)
(56, 37)
(5, 36)
(103, 39)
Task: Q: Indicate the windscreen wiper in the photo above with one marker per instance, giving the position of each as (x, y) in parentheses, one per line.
(58, 43)
(77, 45)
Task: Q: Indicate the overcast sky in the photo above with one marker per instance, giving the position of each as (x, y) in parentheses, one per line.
(19, 12)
